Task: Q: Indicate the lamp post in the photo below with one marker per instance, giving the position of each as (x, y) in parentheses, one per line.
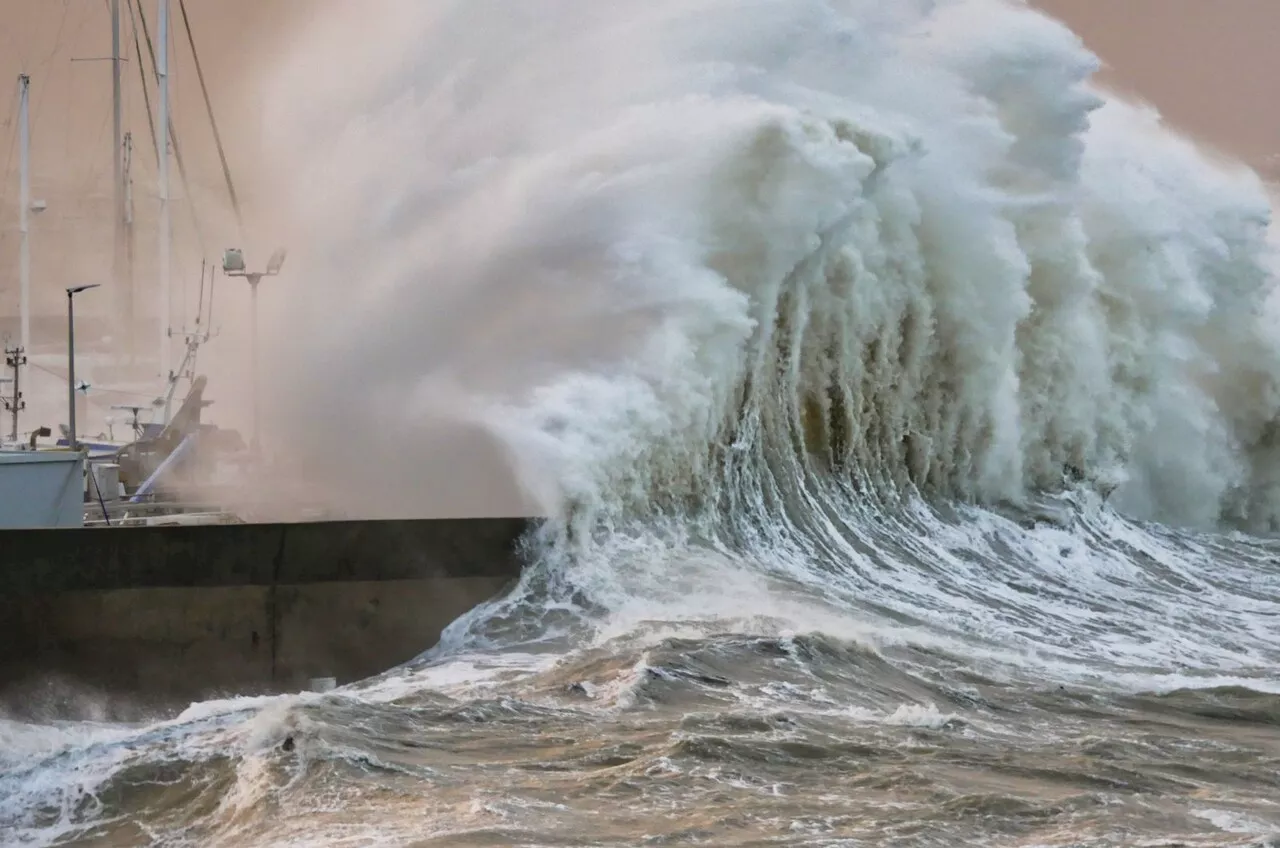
(233, 265)
(72, 442)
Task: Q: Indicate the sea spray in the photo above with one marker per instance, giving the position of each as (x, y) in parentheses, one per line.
(769, 295)
(811, 242)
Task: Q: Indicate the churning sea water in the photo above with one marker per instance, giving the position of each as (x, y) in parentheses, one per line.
(904, 407)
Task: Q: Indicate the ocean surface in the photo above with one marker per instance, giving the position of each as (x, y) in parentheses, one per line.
(904, 407)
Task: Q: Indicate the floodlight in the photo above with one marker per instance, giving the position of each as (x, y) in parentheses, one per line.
(233, 261)
(276, 261)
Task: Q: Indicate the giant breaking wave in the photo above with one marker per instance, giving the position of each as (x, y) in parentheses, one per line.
(821, 330)
(755, 280)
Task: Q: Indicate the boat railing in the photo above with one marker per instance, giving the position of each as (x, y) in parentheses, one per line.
(152, 511)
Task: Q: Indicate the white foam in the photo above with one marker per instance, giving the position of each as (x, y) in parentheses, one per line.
(655, 248)
(1234, 821)
(1074, 285)
(919, 715)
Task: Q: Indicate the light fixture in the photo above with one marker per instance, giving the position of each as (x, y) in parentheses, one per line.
(276, 262)
(233, 261)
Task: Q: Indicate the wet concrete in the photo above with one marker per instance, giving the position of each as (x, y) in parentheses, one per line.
(163, 615)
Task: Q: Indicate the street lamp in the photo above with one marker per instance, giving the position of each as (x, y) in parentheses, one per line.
(72, 443)
(233, 265)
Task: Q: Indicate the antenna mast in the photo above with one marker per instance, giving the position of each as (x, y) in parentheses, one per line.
(14, 358)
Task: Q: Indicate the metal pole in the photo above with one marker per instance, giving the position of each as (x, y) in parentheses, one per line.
(24, 206)
(15, 360)
(124, 294)
(162, 145)
(117, 136)
(19, 360)
(127, 216)
(71, 369)
(72, 442)
(255, 444)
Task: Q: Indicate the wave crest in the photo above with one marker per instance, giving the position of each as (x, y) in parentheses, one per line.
(713, 255)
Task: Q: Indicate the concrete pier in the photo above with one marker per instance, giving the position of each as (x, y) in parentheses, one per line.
(168, 615)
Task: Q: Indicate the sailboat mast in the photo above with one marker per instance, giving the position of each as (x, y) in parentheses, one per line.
(162, 145)
(121, 278)
(24, 206)
(116, 113)
(128, 218)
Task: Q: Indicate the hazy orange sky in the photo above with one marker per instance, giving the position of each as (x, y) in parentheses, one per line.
(1208, 65)
(71, 132)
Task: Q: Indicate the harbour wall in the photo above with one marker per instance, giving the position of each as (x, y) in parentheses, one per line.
(162, 616)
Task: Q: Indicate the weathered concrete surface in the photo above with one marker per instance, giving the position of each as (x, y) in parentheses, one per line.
(165, 615)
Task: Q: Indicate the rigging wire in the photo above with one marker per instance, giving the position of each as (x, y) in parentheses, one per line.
(63, 378)
(142, 73)
(173, 139)
(57, 40)
(204, 264)
(36, 105)
(213, 121)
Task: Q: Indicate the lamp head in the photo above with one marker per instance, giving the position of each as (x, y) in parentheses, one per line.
(276, 261)
(233, 261)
